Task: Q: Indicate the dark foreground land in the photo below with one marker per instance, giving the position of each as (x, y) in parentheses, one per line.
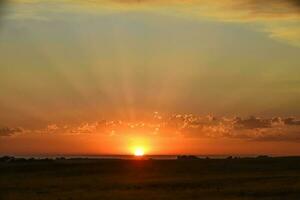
(260, 178)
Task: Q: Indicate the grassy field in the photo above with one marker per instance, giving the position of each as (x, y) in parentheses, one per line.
(270, 178)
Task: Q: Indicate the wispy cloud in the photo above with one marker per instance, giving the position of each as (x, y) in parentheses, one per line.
(278, 18)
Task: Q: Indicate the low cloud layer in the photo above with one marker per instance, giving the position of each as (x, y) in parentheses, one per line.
(189, 126)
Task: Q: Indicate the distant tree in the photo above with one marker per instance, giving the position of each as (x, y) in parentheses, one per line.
(262, 157)
(187, 157)
(6, 159)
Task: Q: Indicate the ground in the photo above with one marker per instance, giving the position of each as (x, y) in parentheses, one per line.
(230, 179)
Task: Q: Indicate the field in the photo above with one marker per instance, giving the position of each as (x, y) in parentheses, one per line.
(234, 179)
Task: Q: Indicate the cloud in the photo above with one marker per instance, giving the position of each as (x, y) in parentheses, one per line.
(251, 128)
(291, 134)
(52, 127)
(184, 125)
(251, 123)
(6, 131)
(291, 121)
(279, 19)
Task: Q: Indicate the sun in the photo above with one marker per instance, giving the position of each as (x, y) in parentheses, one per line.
(139, 151)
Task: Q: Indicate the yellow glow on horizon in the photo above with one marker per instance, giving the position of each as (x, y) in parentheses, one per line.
(139, 151)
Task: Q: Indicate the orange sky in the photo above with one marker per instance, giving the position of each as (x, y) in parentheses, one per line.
(183, 77)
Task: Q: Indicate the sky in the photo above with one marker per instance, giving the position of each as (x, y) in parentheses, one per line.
(173, 77)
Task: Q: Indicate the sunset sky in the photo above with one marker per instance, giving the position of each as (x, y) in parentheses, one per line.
(170, 77)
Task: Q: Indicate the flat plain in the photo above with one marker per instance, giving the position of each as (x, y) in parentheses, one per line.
(78, 179)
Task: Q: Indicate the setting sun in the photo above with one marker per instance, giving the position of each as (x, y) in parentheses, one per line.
(139, 151)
